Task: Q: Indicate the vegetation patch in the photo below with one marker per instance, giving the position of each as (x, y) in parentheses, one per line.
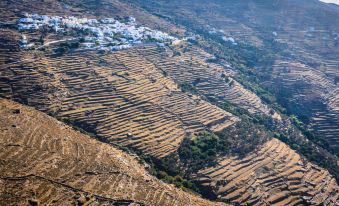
(202, 150)
(168, 170)
(188, 88)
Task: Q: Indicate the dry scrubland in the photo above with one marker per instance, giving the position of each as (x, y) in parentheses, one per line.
(132, 98)
(44, 161)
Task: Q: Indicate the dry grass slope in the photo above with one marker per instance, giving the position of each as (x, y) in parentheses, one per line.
(121, 96)
(132, 98)
(210, 79)
(45, 161)
(272, 175)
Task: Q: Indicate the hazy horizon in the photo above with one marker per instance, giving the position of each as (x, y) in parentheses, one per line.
(331, 1)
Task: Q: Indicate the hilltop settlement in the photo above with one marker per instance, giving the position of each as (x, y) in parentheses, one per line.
(103, 34)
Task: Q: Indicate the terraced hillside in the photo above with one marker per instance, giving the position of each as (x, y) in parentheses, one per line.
(152, 98)
(272, 175)
(265, 34)
(46, 162)
(318, 106)
(127, 102)
(187, 64)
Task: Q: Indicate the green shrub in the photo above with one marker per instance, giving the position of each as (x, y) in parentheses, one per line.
(202, 150)
(188, 88)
